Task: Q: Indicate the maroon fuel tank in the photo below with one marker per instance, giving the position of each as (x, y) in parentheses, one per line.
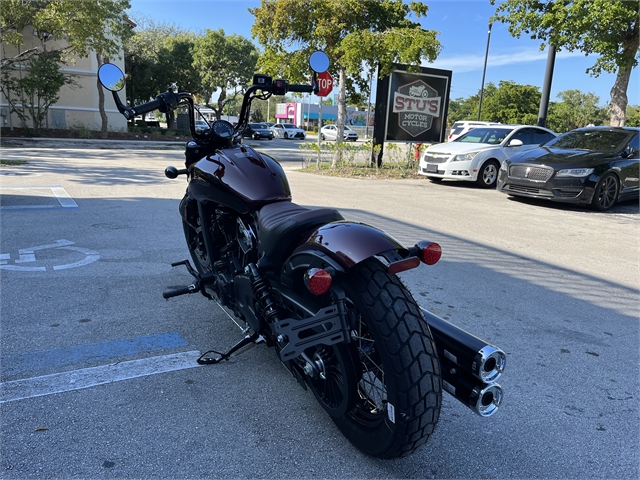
(239, 178)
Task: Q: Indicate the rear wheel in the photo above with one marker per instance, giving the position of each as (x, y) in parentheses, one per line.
(606, 193)
(394, 403)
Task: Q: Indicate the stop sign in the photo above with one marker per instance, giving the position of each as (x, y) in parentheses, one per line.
(325, 81)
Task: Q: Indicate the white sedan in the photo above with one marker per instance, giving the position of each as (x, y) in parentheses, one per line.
(477, 155)
(330, 132)
(288, 130)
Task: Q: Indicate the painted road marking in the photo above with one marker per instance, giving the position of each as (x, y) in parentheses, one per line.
(59, 193)
(27, 255)
(91, 352)
(91, 377)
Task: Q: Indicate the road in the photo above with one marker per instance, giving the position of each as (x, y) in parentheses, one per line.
(98, 373)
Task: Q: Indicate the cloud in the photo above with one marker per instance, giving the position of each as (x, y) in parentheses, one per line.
(470, 63)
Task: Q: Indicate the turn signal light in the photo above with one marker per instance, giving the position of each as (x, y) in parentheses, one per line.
(317, 281)
(428, 252)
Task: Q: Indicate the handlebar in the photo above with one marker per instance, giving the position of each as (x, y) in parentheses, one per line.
(300, 88)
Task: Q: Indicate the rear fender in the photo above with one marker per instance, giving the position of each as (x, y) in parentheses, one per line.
(341, 246)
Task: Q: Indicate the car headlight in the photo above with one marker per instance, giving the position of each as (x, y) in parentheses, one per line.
(465, 157)
(504, 167)
(574, 172)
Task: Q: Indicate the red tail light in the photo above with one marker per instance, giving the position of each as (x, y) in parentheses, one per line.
(431, 252)
(317, 281)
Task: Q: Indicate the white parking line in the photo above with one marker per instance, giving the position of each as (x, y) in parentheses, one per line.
(93, 376)
(60, 194)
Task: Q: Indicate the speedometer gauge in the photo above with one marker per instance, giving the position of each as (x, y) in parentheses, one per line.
(222, 129)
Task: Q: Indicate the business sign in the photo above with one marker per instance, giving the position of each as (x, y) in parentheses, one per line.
(412, 107)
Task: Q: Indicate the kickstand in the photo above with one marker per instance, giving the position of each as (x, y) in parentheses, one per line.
(219, 356)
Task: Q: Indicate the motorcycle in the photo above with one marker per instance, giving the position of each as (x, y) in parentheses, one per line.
(322, 291)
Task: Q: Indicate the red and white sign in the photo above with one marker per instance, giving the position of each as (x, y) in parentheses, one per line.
(325, 81)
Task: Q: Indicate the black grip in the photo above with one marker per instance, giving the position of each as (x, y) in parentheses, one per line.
(149, 106)
(178, 291)
(300, 88)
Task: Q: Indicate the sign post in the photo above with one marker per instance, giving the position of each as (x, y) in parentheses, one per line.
(325, 82)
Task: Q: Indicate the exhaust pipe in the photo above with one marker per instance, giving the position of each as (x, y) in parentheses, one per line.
(483, 399)
(482, 360)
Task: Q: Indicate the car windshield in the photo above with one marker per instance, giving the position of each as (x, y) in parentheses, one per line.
(491, 136)
(288, 125)
(594, 140)
(257, 125)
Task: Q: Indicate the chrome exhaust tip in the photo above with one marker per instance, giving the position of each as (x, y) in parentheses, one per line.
(489, 364)
(486, 401)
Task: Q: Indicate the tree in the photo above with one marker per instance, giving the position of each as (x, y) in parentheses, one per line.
(633, 115)
(226, 63)
(159, 56)
(354, 33)
(83, 25)
(577, 109)
(66, 28)
(608, 28)
(35, 90)
(512, 103)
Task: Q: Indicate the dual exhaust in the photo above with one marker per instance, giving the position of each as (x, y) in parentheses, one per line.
(470, 366)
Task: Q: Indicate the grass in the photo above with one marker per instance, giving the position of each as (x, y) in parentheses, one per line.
(8, 163)
(386, 172)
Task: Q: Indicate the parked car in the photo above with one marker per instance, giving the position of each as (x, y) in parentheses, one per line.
(202, 126)
(330, 132)
(477, 155)
(257, 130)
(597, 166)
(460, 128)
(288, 130)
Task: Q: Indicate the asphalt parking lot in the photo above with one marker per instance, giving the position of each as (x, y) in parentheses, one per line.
(98, 378)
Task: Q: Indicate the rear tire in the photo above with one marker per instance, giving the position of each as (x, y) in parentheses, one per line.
(399, 387)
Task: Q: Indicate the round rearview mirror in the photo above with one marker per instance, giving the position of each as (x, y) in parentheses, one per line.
(111, 77)
(319, 61)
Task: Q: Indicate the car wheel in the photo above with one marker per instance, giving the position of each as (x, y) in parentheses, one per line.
(322, 136)
(271, 137)
(286, 135)
(606, 193)
(488, 174)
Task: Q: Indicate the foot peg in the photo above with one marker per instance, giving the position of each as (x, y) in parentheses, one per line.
(197, 286)
(208, 359)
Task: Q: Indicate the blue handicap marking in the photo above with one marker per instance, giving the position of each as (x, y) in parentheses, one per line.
(90, 352)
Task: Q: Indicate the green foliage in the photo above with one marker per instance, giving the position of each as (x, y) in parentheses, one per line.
(31, 92)
(83, 25)
(608, 28)
(225, 62)
(512, 103)
(604, 27)
(633, 115)
(157, 56)
(351, 32)
(577, 109)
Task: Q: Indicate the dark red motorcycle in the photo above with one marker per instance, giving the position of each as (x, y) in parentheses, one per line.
(320, 290)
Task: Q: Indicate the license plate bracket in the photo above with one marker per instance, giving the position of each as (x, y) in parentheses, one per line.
(432, 168)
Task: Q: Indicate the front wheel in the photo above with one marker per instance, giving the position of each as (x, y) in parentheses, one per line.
(398, 381)
(488, 174)
(606, 193)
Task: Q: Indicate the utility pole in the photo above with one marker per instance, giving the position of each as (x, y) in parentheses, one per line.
(546, 87)
(484, 71)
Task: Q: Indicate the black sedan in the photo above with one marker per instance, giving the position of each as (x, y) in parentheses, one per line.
(597, 166)
(258, 130)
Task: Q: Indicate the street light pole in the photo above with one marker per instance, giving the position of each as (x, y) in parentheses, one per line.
(484, 71)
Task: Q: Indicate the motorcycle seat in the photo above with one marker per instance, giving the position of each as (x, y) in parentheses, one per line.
(282, 225)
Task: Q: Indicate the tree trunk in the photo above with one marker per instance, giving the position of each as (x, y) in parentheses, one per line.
(103, 114)
(619, 98)
(342, 114)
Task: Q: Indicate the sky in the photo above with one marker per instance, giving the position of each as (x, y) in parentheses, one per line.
(462, 27)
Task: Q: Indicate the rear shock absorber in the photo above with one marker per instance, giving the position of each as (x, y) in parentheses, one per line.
(262, 296)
